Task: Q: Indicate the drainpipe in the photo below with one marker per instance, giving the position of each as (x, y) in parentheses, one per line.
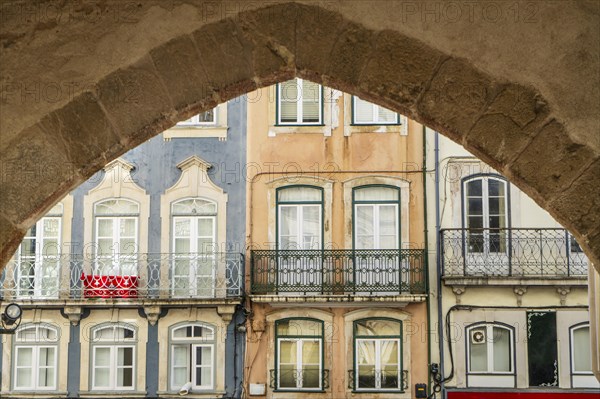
(439, 260)
(426, 234)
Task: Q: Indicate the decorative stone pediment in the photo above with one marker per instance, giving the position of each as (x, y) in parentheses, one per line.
(194, 179)
(118, 181)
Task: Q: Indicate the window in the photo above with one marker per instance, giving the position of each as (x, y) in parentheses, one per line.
(35, 357)
(192, 356)
(376, 217)
(581, 357)
(38, 258)
(486, 214)
(299, 103)
(195, 247)
(204, 118)
(299, 214)
(378, 354)
(116, 232)
(113, 357)
(299, 354)
(490, 361)
(366, 113)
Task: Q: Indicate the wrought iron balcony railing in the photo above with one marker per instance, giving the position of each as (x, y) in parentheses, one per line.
(332, 272)
(294, 379)
(547, 253)
(388, 380)
(153, 276)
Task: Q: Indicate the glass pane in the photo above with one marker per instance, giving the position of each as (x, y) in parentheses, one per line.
(288, 101)
(495, 188)
(46, 377)
(102, 357)
(311, 96)
(387, 116)
(203, 376)
(205, 227)
(311, 353)
(474, 188)
(365, 352)
(376, 194)
(389, 377)
(180, 355)
(47, 334)
(125, 377)
(378, 327)
(51, 227)
(182, 245)
(180, 376)
(125, 357)
(478, 351)
(105, 228)
(311, 376)
(127, 227)
(299, 327)
(501, 349)
(207, 116)
(116, 207)
(46, 357)
(582, 359)
(195, 206)
(101, 377)
(28, 247)
(299, 194)
(365, 238)
(389, 352)
(363, 111)
(24, 377)
(24, 357)
(287, 376)
(311, 227)
(474, 206)
(287, 352)
(366, 377)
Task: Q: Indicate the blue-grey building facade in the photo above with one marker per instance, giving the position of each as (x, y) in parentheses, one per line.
(133, 285)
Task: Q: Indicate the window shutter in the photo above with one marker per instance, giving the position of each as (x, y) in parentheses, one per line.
(288, 99)
(311, 96)
(387, 116)
(363, 111)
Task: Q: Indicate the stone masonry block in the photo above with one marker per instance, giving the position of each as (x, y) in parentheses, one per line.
(10, 238)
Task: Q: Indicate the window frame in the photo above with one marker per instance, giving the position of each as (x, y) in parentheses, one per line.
(113, 345)
(490, 349)
(191, 343)
(194, 121)
(35, 346)
(279, 203)
(37, 260)
(320, 338)
(376, 107)
(397, 203)
(299, 106)
(572, 329)
(377, 339)
(115, 256)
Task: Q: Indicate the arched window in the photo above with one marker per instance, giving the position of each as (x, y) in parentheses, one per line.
(192, 357)
(490, 355)
(35, 357)
(486, 213)
(38, 257)
(113, 357)
(195, 247)
(581, 357)
(378, 354)
(116, 236)
(299, 354)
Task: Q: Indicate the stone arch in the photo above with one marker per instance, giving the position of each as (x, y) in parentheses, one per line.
(178, 72)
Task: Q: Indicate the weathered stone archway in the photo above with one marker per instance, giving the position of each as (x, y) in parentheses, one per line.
(148, 66)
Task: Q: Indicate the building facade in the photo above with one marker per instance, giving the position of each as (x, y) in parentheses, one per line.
(337, 267)
(131, 286)
(511, 286)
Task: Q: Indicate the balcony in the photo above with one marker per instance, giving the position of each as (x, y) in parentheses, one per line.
(527, 256)
(172, 277)
(338, 273)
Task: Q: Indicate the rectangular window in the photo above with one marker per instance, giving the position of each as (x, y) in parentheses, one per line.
(116, 239)
(299, 103)
(35, 367)
(113, 367)
(299, 363)
(366, 113)
(206, 118)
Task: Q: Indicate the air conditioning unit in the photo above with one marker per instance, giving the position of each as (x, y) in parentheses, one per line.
(477, 337)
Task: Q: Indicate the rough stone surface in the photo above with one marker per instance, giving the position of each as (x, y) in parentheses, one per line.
(36, 172)
(179, 64)
(550, 162)
(581, 200)
(10, 237)
(136, 101)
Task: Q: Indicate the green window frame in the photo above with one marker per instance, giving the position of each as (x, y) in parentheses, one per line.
(377, 114)
(301, 205)
(298, 98)
(371, 371)
(306, 374)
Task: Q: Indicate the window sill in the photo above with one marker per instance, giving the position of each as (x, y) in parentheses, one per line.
(114, 394)
(192, 395)
(376, 129)
(199, 131)
(274, 130)
(32, 394)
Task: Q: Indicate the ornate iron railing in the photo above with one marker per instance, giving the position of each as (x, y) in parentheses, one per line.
(331, 272)
(155, 276)
(548, 253)
(299, 377)
(384, 376)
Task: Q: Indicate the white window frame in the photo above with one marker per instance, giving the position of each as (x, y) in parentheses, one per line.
(191, 344)
(35, 347)
(489, 332)
(115, 258)
(572, 357)
(195, 120)
(300, 225)
(299, 363)
(38, 260)
(376, 109)
(113, 345)
(378, 365)
(376, 221)
(299, 106)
